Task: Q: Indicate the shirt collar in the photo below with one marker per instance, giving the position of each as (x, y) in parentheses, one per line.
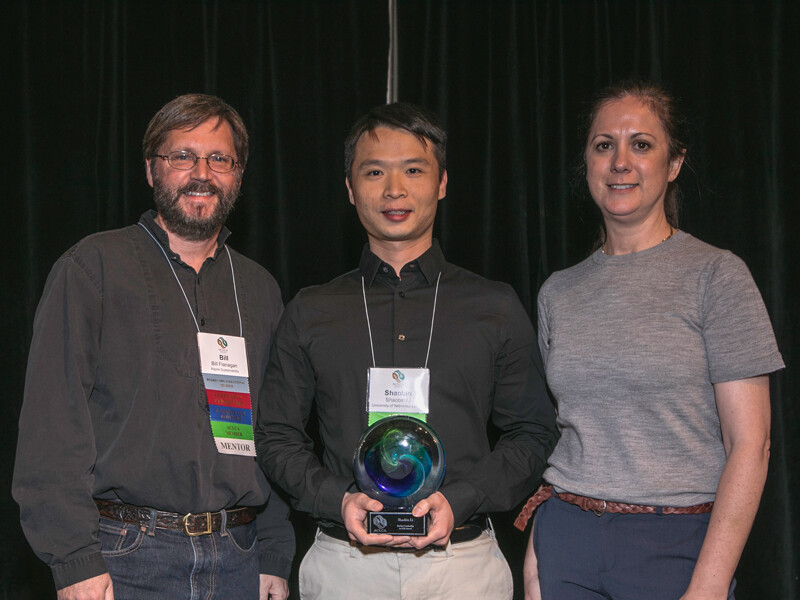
(430, 263)
(148, 219)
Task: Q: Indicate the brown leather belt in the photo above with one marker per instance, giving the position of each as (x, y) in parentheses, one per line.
(190, 524)
(467, 532)
(600, 507)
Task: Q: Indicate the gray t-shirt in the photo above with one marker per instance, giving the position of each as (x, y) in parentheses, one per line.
(632, 346)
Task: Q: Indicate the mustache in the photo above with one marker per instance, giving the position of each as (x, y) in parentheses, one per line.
(199, 187)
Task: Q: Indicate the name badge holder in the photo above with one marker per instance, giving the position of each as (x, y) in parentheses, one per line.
(223, 361)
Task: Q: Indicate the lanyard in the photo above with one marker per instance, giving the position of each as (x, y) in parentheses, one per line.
(433, 316)
(174, 274)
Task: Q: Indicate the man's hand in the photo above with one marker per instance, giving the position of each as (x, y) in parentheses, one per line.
(354, 513)
(272, 587)
(96, 588)
(441, 523)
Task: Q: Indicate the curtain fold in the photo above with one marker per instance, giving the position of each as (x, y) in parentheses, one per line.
(509, 80)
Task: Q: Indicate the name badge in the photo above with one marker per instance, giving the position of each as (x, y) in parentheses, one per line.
(223, 362)
(398, 391)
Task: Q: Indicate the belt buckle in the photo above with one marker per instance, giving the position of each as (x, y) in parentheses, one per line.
(185, 521)
(600, 512)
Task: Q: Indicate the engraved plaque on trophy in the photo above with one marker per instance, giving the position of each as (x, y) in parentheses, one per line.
(398, 461)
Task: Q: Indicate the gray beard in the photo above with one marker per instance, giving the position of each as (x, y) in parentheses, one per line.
(186, 226)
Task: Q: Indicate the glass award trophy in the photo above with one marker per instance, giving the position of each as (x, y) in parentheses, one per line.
(398, 461)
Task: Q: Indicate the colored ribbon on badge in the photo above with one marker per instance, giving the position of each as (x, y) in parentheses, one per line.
(223, 362)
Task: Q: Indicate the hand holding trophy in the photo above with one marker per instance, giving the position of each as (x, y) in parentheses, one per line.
(398, 461)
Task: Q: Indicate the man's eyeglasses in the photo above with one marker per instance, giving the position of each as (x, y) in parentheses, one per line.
(183, 160)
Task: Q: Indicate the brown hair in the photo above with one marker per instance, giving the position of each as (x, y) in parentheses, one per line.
(665, 107)
(189, 111)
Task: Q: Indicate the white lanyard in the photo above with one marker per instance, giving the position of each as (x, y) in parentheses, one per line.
(174, 274)
(223, 364)
(369, 328)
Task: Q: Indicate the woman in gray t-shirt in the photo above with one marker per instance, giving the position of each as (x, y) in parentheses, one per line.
(657, 349)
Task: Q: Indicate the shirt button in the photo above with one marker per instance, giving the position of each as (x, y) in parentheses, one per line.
(402, 294)
(401, 337)
(202, 322)
(385, 269)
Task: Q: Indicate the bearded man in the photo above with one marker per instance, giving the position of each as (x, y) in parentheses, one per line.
(135, 470)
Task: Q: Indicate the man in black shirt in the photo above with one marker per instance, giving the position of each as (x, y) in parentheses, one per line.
(405, 307)
(134, 473)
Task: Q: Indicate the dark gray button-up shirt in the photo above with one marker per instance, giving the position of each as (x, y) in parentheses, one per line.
(114, 403)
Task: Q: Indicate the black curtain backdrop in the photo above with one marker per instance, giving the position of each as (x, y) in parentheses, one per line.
(82, 79)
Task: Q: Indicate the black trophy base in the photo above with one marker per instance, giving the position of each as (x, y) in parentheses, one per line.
(396, 523)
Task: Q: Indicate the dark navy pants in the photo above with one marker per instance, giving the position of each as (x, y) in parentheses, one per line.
(146, 563)
(615, 556)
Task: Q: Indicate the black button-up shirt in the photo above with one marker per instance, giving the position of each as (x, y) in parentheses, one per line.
(484, 364)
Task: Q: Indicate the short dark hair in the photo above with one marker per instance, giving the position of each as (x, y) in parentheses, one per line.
(666, 108)
(399, 115)
(189, 111)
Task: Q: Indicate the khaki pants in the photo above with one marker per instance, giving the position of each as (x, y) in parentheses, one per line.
(337, 570)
